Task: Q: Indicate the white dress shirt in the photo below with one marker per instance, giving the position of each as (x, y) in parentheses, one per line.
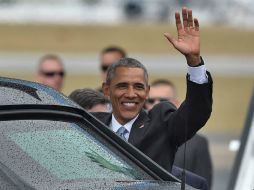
(197, 75)
(115, 125)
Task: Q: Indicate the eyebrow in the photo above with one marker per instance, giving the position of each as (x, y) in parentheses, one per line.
(126, 83)
(121, 83)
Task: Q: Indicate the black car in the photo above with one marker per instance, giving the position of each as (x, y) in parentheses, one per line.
(49, 142)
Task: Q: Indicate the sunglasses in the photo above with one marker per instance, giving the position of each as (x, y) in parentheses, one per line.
(153, 100)
(104, 68)
(53, 73)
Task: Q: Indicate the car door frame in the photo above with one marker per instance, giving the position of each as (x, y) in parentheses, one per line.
(66, 113)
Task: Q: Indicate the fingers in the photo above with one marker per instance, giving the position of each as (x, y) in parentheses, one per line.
(190, 19)
(178, 21)
(185, 18)
(187, 27)
(170, 38)
(196, 24)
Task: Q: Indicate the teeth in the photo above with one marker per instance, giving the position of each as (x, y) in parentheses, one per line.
(129, 104)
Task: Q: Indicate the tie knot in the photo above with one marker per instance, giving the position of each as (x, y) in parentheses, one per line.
(121, 132)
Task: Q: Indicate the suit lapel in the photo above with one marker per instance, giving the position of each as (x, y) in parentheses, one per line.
(138, 129)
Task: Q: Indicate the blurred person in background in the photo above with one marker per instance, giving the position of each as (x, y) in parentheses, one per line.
(91, 100)
(162, 90)
(108, 56)
(198, 159)
(51, 72)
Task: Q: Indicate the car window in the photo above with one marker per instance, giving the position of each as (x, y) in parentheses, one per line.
(46, 153)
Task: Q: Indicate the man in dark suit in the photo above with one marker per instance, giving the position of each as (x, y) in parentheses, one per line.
(51, 72)
(198, 159)
(160, 132)
(108, 56)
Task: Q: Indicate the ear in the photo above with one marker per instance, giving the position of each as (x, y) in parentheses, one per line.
(147, 91)
(105, 89)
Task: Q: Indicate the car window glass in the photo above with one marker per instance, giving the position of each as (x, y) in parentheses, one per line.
(51, 152)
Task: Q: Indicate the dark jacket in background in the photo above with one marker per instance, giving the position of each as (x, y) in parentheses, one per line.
(191, 179)
(198, 159)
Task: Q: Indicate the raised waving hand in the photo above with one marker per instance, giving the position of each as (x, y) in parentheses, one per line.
(188, 40)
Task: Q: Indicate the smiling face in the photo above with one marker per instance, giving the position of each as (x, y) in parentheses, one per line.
(127, 91)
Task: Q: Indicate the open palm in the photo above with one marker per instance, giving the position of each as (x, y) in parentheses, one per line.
(188, 41)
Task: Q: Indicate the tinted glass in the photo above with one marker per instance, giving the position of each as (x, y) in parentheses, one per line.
(49, 153)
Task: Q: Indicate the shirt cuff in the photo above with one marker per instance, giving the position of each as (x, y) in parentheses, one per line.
(198, 74)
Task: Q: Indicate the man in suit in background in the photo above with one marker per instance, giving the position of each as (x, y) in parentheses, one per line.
(160, 132)
(51, 72)
(91, 100)
(198, 159)
(162, 90)
(108, 56)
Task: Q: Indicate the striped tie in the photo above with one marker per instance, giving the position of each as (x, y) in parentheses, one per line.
(121, 132)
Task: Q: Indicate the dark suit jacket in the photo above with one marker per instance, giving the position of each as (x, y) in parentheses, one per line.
(191, 179)
(198, 159)
(162, 130)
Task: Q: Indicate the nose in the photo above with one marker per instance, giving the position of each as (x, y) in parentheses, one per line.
(131, 93)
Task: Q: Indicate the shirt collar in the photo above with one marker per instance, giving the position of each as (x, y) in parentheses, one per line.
(116, 125)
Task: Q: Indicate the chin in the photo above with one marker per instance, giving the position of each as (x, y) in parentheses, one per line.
(130, 116)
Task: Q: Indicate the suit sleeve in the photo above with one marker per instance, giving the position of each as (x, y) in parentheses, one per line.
(183, 123)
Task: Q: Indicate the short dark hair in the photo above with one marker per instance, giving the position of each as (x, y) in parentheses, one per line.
(88, 98)
(125, 62)
(110, 49)
(49, 57)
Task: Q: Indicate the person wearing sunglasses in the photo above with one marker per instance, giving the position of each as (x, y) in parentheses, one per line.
(108, 56)
(161, 90)
(51, 71)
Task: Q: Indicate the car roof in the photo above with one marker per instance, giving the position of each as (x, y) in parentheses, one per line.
(18, 92)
